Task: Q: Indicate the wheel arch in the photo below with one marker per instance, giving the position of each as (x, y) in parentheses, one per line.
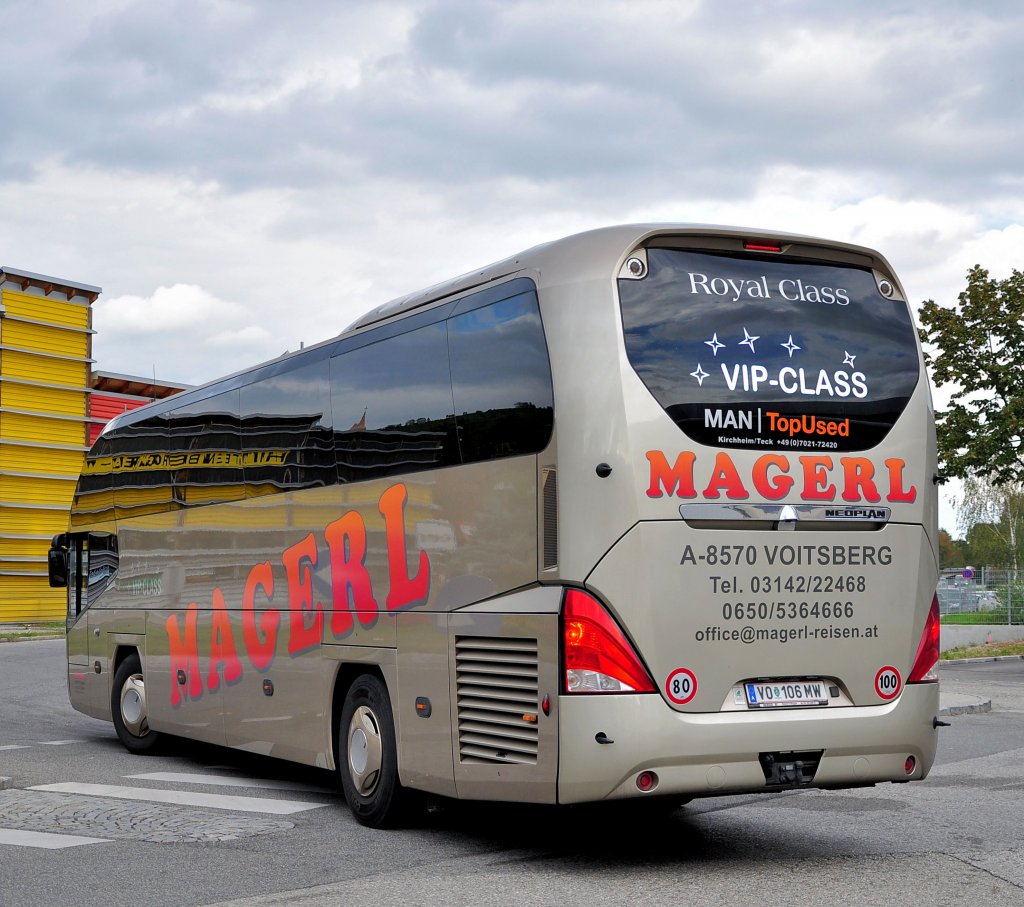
(344, 677)
(122, 652)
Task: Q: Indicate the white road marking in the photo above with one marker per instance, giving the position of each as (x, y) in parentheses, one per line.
(232, 781)
(184, 798)
(13, 746)
(15, 838)
(58, 742)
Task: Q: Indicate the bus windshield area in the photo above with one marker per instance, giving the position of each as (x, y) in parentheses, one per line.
(766, 353)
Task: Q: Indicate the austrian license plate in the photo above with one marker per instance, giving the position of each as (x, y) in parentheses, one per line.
(786, 694)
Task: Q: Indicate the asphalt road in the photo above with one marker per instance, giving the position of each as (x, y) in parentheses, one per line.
(953, 839)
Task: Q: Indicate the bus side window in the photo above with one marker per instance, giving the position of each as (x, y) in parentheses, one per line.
(204, 451)
(94, 494)
(392, 404)
(102, 559)
(57, 560)
(138, 475)
(89, 565)
(70, 550)
(501, 379)
(287, 433)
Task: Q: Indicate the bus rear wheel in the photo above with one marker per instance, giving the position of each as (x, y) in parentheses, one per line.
(128, 707)
(368, 754)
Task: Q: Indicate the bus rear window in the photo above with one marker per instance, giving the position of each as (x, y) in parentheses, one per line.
(763, 353)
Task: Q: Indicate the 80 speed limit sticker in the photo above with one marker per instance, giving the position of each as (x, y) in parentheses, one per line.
(681, 686)
(888, 682)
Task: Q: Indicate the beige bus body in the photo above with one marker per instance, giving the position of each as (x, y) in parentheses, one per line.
(766, 562)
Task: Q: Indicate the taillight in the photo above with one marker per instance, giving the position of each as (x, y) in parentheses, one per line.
(927, 660)
(598, 657)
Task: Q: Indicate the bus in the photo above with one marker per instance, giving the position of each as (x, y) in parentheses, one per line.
(645, 512)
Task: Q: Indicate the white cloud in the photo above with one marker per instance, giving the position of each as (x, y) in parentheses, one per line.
(181, 306)
(251, 335)
(179, 333)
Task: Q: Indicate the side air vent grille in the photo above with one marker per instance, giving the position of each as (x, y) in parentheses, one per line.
(496, 682)
(550, 495)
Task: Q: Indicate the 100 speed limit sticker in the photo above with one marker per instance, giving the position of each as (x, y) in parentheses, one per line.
(681, 686)
(888, 682)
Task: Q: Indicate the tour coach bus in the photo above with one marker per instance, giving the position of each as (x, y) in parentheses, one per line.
(645, 512)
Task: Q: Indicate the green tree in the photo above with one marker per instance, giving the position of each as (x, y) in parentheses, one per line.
(986, 546)
(993, 517)
(951, 551)
(980, 355)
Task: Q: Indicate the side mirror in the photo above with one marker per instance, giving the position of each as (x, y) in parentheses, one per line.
(57, 563)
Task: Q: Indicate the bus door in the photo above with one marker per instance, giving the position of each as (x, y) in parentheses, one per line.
(69, 565)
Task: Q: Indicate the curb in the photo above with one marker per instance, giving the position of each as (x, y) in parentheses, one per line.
(979, 660)
(975, 708)
(18, 632)
(15, 638)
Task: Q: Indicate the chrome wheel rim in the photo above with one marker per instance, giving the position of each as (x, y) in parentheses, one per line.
(365, 750)
(133, 706)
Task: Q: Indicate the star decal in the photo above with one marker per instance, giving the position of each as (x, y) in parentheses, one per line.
(849, 359)
(748, 340)
(714, 344)
(700, 375)
(790, 346)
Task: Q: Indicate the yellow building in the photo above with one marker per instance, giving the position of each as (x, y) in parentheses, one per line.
(45, 359)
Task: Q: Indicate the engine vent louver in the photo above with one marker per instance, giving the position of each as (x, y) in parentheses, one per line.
(549, 486)
(496, 681)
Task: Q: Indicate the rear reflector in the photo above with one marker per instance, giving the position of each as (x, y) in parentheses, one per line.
(646, 781)
(598, 657)
(927, 660)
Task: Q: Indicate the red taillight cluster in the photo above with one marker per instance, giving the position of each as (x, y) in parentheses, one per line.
(927, 659)
(598, 657)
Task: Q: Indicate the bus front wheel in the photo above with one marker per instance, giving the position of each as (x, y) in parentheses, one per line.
(128, 707)
(368, 754)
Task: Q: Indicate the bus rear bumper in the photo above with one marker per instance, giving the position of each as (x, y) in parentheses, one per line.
(708, 754)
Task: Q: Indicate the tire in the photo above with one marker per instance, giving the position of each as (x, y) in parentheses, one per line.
(368, 755)
(128, 707)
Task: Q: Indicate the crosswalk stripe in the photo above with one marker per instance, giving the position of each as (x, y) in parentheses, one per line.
(44, 840)
(184, 798)
(232, 781)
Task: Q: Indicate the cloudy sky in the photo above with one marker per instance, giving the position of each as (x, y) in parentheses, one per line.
(242, 176)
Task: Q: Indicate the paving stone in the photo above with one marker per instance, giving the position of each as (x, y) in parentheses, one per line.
(100, 817)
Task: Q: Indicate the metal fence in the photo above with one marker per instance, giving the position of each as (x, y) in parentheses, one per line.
(981, 596)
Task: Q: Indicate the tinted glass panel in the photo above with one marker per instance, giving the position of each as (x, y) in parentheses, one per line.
(102, 560)
(767, 353)
(501, 379)
(286, 426)
(392, 406)
(204, 451)
(94, 494)
(141, 472)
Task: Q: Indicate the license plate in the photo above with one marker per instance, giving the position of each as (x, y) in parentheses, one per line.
(785, 694)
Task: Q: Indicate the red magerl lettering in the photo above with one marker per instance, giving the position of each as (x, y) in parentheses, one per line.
(351, 593)
(772, 476)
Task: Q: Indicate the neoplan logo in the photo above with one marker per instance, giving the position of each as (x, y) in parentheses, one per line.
(880, 514)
